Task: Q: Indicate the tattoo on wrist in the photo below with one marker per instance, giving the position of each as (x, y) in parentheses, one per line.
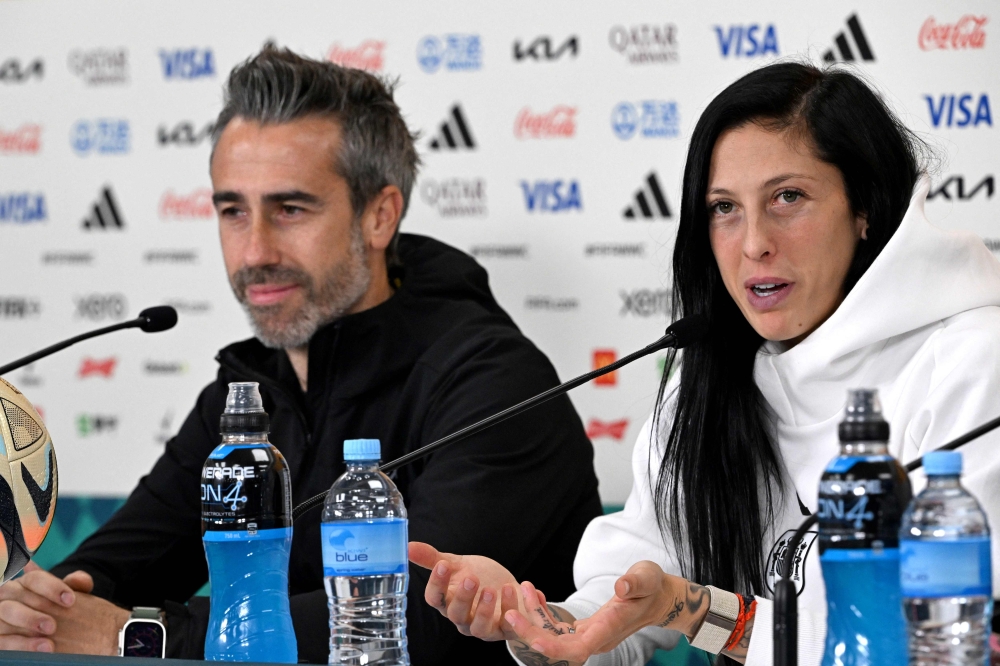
(529, 657)
(678, 606)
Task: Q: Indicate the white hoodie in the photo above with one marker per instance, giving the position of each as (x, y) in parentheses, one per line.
(923, 327)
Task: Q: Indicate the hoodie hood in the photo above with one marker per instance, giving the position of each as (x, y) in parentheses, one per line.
(923, 276)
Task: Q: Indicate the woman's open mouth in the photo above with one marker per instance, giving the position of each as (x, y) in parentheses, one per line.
(766, 293)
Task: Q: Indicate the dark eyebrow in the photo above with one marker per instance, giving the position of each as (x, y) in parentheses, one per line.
(771, 183)
(291, 195)
(227, 197)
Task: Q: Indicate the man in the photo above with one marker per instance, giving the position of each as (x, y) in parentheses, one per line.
(360, 332)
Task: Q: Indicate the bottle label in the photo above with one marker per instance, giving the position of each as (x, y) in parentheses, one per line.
(959, 567)
(364, 547)
(245, 488)
(250, 534)
(861, 503)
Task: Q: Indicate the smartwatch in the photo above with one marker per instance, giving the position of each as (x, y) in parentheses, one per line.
(723, 611)
(144, 635)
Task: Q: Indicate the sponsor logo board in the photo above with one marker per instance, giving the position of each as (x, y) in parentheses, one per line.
(25, 140)
(187, 64)
(368, 55)
(13, 70)
(101, 136)
(967, 32)
(558, 122)
(454, 133)
(544, 48)
(455, 197)
(499, 251)
(196, 205)
(551, 303)
(602, 359)
(97, 367)
(646, 43)
(597, 429)
(19, 307)
(645, 302)
(959, 110)
(851, 44)
(649, 201)
(452, 52)
(551, 196)
(105, 214)
(23, 207)
(100, 66)
(184, 133)
(954, 188)
(99, 307)
(747, 41)
(647, 119)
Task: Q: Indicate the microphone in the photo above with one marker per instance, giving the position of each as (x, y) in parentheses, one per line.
(681, 333)
(786, 608)
(150, 320)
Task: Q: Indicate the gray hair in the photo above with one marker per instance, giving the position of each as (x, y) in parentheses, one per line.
(377, 149)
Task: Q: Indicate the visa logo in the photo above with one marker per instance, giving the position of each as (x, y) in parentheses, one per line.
(956, 110)
(551, 196)
(187, 63)
(22, 207)
(747, 40)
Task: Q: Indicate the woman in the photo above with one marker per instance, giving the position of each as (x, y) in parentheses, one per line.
(802, 238)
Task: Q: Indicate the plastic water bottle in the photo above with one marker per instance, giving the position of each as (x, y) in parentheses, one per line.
(365, 565)
(246, 519)
(862, 496)
(945, 569)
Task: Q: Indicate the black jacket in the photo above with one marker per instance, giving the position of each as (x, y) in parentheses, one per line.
(439, 355)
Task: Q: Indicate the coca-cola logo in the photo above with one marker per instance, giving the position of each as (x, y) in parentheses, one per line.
(559, 122)
(26, 139)
(966, 33)
(368, 55)
(196, 205)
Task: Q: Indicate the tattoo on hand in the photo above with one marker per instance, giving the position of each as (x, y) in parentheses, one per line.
(442, 604)
(674, 612)
(555, 613)
(529, 657)
(548, 625)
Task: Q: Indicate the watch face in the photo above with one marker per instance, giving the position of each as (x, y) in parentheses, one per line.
(143, 638)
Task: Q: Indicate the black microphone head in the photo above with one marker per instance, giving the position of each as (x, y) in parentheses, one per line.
(158, 318)
(688, 330)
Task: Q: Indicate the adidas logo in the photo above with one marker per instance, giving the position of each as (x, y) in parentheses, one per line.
(843, 46)
(105, 213)
(641, 208)
(454, 133)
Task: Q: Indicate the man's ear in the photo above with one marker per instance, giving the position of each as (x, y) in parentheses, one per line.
(381, 218)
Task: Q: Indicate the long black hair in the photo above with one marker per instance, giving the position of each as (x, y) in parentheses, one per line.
(721, 471)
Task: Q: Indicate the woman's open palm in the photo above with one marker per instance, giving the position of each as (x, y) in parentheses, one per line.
(466, 589)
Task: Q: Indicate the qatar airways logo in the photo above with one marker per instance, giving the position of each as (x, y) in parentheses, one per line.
(196, 205)
(25, 140)
(368, 55)
(966, 33)
(559, 122)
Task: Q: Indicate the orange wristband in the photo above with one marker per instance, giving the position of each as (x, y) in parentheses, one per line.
(746, 614)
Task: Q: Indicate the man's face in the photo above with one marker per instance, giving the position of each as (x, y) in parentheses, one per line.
(295, 255)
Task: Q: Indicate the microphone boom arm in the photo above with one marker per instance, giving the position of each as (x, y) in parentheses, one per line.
(670, 339)
(31, 358)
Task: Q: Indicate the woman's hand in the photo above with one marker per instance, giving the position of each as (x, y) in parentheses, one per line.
(466, 589)
(644, 596)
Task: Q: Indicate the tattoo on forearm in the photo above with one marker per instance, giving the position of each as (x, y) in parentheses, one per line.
(529, 657)
(678, 606)
(739, 651)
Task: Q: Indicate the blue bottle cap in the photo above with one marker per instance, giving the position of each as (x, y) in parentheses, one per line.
(943, 463)
(362, 449)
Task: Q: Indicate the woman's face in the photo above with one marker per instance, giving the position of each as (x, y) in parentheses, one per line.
(781, 230)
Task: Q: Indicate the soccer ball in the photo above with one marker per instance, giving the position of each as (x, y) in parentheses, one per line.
(28, 481)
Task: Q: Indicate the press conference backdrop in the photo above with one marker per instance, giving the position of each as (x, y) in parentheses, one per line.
(553, 137)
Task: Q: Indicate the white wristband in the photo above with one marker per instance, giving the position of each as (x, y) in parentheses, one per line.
(723, 611)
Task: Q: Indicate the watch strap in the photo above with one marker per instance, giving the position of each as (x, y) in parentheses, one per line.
(147, 613)
(719, 623)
